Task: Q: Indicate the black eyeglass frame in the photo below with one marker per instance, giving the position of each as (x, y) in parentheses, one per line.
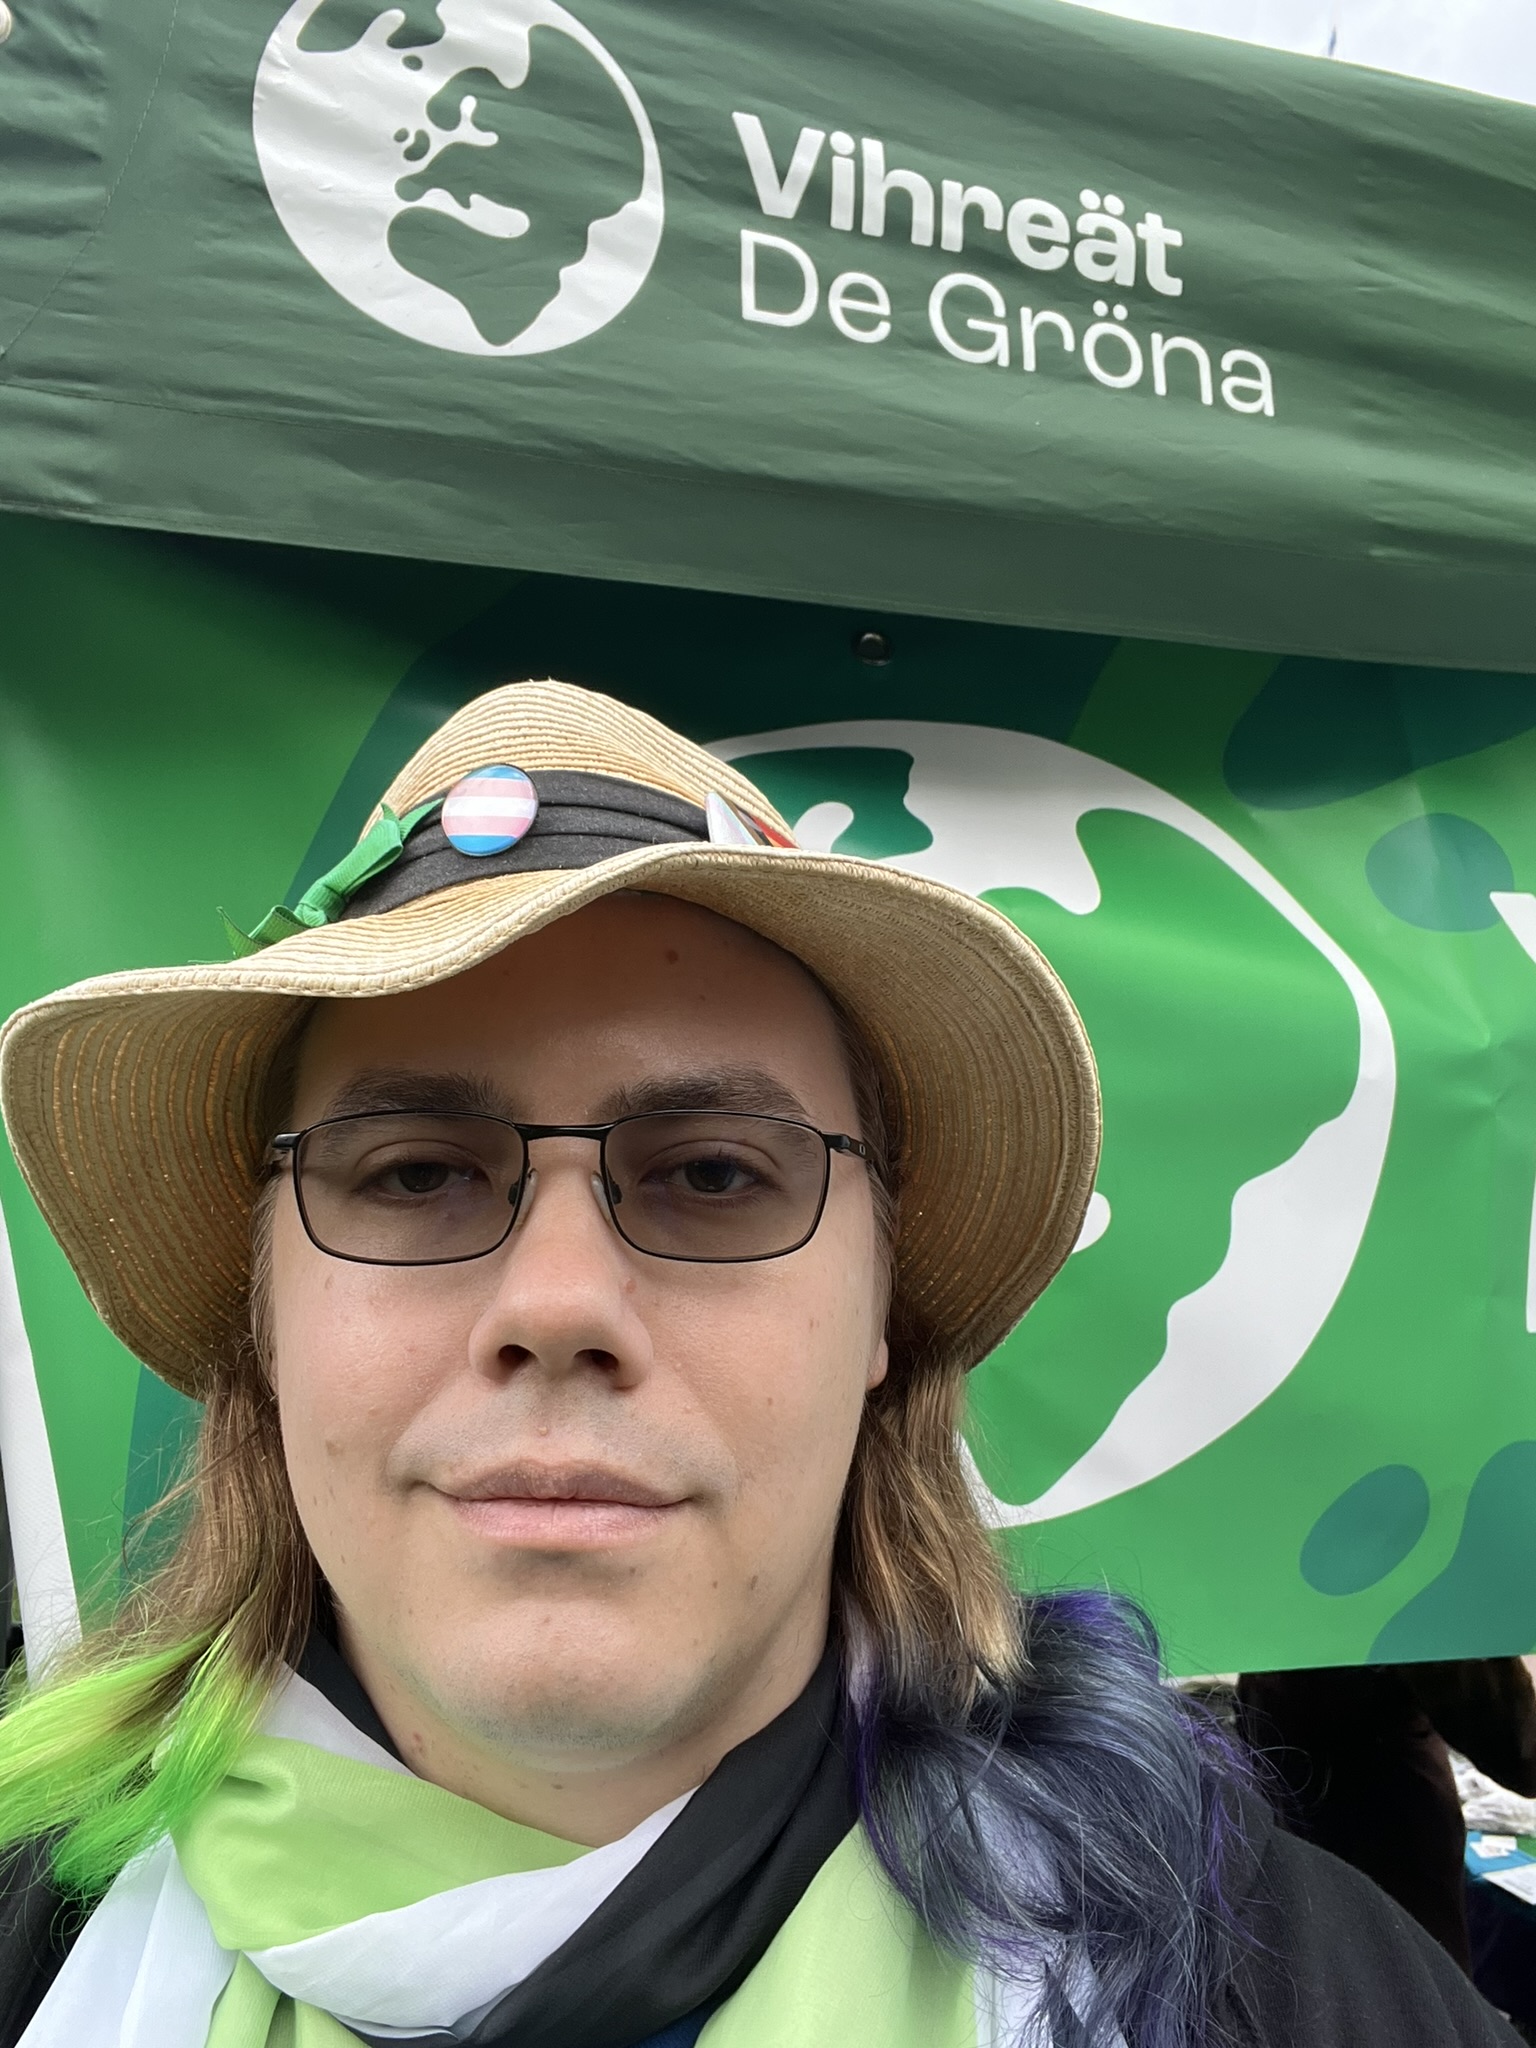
(287, 1145)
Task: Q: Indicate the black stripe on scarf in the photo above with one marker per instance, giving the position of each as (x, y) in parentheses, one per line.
(697, 1913)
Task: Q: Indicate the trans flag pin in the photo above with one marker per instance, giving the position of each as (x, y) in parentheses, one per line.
(489, 810)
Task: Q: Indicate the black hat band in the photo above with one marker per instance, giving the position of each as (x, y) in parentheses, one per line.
(582, 819)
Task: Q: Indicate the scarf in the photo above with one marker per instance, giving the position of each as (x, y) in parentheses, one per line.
(322, 1892)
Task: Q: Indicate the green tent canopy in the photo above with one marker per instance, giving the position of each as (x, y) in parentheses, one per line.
(1081, 460)
(998, 310)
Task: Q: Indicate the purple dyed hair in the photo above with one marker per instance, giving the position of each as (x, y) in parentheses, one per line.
(1079, 1826)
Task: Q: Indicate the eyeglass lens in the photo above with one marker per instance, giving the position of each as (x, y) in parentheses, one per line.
(425, 1189)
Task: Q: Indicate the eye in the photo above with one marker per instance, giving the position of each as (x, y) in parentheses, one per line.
(417, 1177)
(719, 1174)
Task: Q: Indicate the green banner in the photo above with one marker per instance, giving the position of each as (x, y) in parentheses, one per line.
(1000, 309)
(1285, 1391)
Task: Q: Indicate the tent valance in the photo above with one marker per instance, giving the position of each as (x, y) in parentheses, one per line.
(1003, 310)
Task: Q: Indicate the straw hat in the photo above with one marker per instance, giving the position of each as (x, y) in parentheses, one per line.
(134, 1101)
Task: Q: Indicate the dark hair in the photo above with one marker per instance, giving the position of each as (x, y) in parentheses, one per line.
(1074, 1830)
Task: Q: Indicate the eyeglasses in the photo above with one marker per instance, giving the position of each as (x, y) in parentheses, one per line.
(430, 1188)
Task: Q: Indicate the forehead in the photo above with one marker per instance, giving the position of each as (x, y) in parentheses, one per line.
(631, 986)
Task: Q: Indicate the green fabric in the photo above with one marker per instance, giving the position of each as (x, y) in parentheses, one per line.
(151, 693)
(174, 358)
(250, 2014)
(324, 900)
(297, 1841)
(850, 1968)
(246, 2015)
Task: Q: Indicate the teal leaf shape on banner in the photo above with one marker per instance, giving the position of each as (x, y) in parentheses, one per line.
(1367, 1532)
(1487, 1593)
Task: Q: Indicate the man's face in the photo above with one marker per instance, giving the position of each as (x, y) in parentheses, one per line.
(699, 1420)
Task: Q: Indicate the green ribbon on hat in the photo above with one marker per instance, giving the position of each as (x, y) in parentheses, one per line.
(324, 900)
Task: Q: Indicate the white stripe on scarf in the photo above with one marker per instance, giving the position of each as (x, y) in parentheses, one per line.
(146, 1971)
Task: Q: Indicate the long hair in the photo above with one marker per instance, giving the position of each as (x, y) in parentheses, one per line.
(1029, 1786)
(1047, 1806)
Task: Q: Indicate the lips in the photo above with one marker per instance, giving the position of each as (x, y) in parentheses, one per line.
(564, 1507)
(593, 1483)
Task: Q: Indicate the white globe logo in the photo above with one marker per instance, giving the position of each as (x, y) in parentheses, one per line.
(1004, 809)
(332, 128)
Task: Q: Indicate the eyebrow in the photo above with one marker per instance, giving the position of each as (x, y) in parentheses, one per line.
(748, 1090)
(407, 1089)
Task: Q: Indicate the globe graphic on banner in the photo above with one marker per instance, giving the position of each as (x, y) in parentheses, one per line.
(1002, 813)
(397, 170)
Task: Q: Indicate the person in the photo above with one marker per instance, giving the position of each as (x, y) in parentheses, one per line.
(578, 1214)
(1361, 1757)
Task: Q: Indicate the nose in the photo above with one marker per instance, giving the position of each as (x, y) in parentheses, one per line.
(567, 1161)
(566, 1293)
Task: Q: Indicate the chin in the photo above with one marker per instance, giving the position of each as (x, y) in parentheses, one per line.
(572, 1683)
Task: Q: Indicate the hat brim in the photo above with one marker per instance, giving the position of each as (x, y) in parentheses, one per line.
(134, 1101)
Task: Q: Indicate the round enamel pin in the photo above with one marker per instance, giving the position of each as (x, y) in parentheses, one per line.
(489, 810)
